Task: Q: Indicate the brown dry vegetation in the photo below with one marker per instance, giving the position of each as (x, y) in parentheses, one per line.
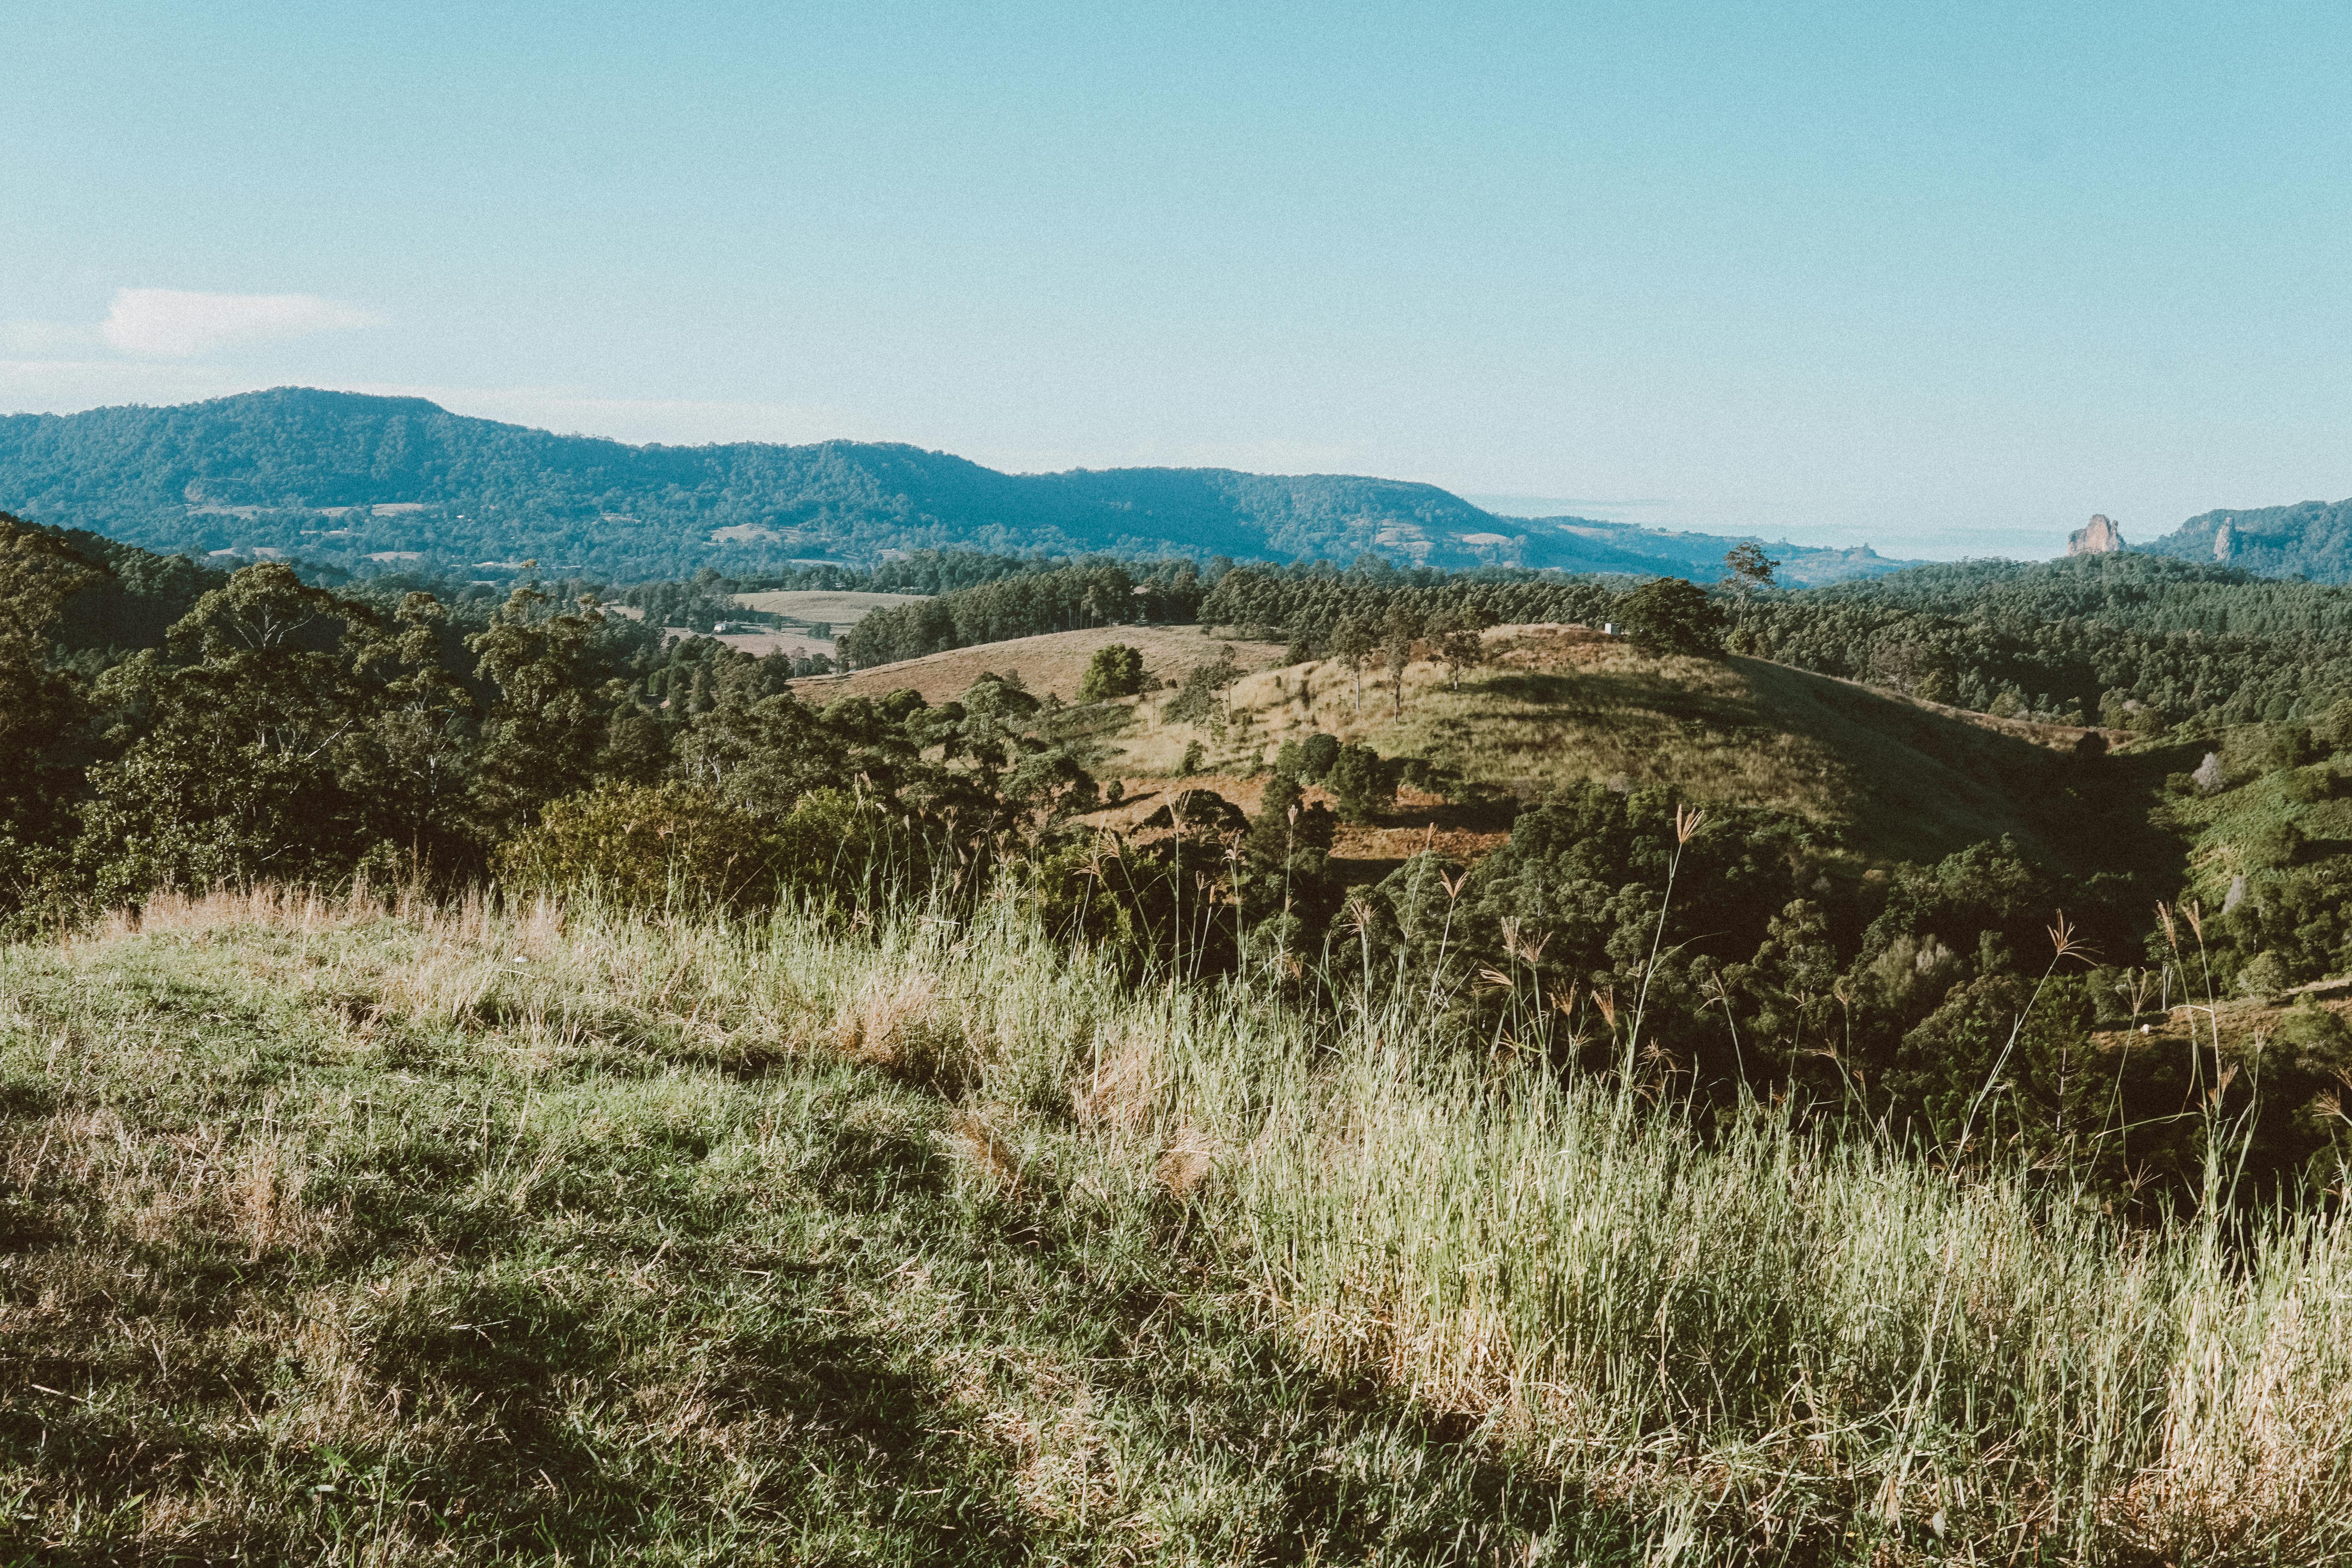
(2243, 1025)
(761, 644)
(1363, 852)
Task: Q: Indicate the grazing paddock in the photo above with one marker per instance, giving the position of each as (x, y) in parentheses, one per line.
(1556, 705)
(839, 608)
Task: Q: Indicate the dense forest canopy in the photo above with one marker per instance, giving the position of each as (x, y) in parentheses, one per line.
(362, 482)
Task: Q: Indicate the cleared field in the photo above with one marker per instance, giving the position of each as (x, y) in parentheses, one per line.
(757, 643)
(1054, 662)
(839, 609)
(760, 643)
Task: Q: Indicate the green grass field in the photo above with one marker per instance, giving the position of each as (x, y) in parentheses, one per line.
(338, 1233)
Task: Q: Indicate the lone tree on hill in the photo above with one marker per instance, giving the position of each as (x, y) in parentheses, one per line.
(1400, 629)
(1361, 781)
(1201, 698)
(1671, 615)
(1354, 640)
(1116, 670)
(1749, 567)
(1456, 632)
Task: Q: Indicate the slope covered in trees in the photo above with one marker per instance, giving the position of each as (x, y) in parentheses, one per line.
(2311, 539)
(340, 477)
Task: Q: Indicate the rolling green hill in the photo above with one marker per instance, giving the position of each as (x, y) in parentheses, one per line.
(1893, 778)
(344, 478)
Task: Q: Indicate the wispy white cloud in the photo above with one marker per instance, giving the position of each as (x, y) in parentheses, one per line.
(177, 323)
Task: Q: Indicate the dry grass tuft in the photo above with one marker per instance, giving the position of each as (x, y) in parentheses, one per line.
(341, 1235)
(986, 1153)
(907, 1025)
(1123, 1088)
(1187, 1162)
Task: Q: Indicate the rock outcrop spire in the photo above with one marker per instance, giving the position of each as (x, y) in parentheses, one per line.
(2100, 537)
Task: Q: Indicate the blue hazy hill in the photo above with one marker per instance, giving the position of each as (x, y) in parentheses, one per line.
(342, 476)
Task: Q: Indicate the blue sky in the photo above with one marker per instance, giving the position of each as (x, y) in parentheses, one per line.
(1944, 279)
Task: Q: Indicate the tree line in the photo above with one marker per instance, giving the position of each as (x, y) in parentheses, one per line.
(261, 726)
(1093, 592)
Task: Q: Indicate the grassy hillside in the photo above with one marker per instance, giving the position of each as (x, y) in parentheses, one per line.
(1054, 662)
(341, 1235)
(1903, 779)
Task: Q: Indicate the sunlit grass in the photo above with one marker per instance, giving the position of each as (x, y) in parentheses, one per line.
(341, 1234)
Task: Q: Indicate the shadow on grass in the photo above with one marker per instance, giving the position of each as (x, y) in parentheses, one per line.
(1907, 783)
(1928, 784)
(862, 1444)
(1625, 701)
(1353, 1473)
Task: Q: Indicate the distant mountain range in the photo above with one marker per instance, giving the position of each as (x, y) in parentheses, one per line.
(389, 482)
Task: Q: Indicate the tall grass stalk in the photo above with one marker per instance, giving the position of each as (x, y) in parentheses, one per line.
(1782, 1346)
(1687, 822)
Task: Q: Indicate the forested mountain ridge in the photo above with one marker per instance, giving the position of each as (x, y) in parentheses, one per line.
(342, 477)
(2310, 538)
